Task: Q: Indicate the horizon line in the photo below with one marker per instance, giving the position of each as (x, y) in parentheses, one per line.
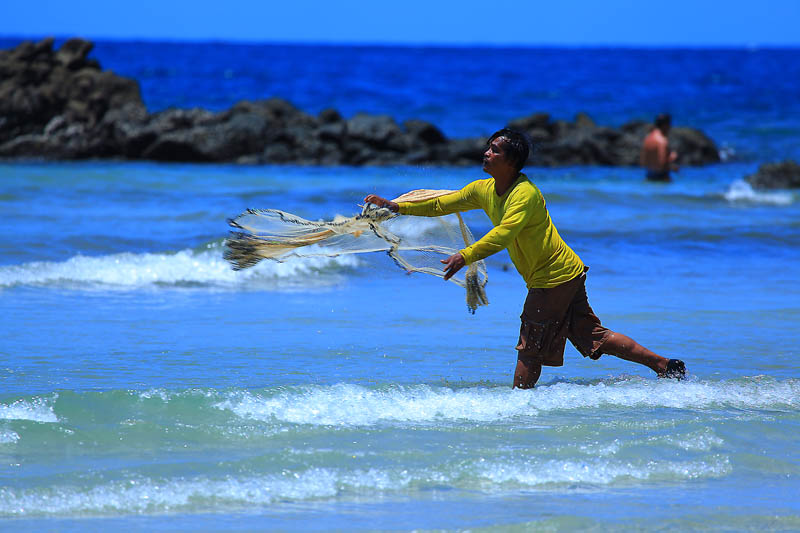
(411, 44)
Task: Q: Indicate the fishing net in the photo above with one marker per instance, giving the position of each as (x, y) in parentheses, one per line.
(416, 244)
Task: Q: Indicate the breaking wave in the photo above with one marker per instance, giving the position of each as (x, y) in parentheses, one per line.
(355, 405)
(184, 268)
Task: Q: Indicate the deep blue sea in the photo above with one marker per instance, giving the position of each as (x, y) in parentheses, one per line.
(144, 385)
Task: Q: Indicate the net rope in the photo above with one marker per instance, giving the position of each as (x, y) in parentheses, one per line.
(416, 244)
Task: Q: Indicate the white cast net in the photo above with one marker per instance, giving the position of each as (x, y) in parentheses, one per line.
(415, 244)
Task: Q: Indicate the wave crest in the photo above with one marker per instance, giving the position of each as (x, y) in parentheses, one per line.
(354, 405)
(36, 410)
(186, 267)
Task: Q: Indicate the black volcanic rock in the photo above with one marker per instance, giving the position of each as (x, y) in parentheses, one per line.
(61, 105)
(38, 85)
(583, 142)
(783, 175)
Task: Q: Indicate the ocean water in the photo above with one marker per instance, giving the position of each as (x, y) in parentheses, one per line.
(144, 385)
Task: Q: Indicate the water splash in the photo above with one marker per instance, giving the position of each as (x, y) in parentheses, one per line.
(36, 410)
(741, 191)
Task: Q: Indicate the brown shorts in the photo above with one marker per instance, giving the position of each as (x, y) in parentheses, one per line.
(551, 316)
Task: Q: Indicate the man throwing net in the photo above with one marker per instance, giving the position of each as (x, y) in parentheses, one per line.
(556, 308)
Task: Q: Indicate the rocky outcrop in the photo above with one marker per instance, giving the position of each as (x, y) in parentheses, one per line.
(60, 95)
(783, 175)
(61, 105)
(582, 142)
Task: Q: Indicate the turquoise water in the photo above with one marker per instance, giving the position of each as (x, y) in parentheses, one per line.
(144, 385)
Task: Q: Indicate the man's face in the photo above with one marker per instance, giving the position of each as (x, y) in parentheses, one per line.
(494, 158)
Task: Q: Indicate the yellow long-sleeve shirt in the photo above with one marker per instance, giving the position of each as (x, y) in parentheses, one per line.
(521, 224)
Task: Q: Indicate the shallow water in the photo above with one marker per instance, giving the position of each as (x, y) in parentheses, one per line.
(145, 385)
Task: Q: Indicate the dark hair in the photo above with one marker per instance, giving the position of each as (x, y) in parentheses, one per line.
(516, 145)
(663, 120)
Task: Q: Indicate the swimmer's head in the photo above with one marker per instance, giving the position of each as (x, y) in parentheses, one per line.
(663, 122)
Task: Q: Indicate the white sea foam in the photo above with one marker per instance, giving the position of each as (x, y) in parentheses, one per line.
(354, 405)
(156, 496)
(8, 437)
(37, 410)
(741, 191)
(598, 471)
(131, 270)
(159, 496)
(346, 404)
(153, 496)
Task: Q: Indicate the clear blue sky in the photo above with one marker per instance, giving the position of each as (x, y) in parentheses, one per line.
(525, 22)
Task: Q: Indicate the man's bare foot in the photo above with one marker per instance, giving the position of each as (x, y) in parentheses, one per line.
(675, 370)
